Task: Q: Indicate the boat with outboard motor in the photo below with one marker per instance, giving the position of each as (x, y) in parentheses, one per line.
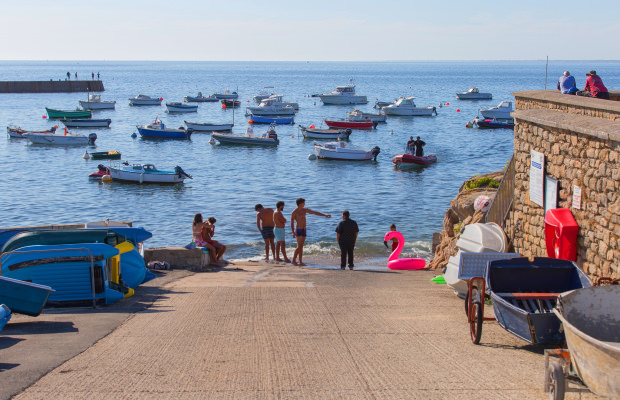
(18, 133)
(270, 138)
(500, 111)
(316, 133)
(473, 94)
(176, 107)
(144, 100)
(226, 94)
(341, 151)
(408, 159)
(146, 173)
(158, 130)
(344, 94)
(230, 103)
(94, 102)
(199, 98)
(494, 123)
(64, 139)
(357, 115)
(271, 106)
(406, 107)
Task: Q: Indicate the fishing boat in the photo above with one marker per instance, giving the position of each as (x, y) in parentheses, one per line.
(275, 119)
(181, 108)
(316, 133)
(226, 94)
(199, 98)
(271, 106)
(23, 297)
(263, 94)
(230, 103)
(405, 106)
(105, 155)
(473, 94)
(408, 159)
(94, 102)
(341, 151)
(158, 130)
(147, 173)
(270, 138)
(18, 133)
(278, 100)
(207, 127)
(495, 124)
(65, 139)
(86, 123)
(500, 111)
(342, 95)
(357, 115)
(344, 123)
(59, 114)
(144, 100)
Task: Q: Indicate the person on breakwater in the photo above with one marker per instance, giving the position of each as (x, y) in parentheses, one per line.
(280, 222)
(298, 216)
(594, 85)
(198, 239)
(346, 235)
(207, 233)
(264, 217)
(567, 84)
(69, 76)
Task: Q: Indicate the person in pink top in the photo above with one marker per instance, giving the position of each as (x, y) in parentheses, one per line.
(594, 85)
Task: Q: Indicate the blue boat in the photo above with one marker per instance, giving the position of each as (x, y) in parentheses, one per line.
(23, 297)
(524, 293)
(158, 130)
(494, 123)
(5, 315)
(259, 119)
(80, 273)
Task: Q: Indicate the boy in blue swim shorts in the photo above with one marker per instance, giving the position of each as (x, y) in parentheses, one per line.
(264, 222)
(280, 221)
(298, 217)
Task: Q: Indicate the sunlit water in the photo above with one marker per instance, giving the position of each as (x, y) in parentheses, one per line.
(49, 185)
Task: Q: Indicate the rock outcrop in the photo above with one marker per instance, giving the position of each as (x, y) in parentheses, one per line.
(460, 214)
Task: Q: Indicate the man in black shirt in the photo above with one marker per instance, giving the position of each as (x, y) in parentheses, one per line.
(411, 145)
(346, 233)
(419, 144)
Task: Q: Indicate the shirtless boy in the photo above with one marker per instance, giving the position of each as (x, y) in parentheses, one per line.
(280, 221)
(298, 216)
(264, 217)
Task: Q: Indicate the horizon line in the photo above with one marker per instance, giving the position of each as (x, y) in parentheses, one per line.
(306, 61)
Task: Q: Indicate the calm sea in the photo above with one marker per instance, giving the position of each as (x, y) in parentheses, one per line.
(50, 185)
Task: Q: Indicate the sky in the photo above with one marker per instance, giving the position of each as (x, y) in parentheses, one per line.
(309, 30)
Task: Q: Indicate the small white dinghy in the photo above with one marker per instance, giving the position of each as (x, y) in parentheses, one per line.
(341, 151)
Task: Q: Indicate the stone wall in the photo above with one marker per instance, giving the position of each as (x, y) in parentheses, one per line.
(580, 138)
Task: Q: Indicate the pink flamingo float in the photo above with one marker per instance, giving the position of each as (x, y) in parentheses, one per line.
(401, 263)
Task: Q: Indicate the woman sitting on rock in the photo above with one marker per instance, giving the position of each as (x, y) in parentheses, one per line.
(197, 228)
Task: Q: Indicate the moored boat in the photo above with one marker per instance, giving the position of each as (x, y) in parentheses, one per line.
(158, 130)
(226, 94)
(144, 100)
(181, 108)
(357, 115)
(342, 95)
(94, 102)
(500, 111)
(341, 151)
(275, 119)
(146, 173)
(58, 114)
(201, 99)
(316, 133)
(270, 138)
(65, 139)
(263, 94)
(473, 94)
(18, 133)
(105, 155)
(344, 123)
(406, 107)
(230, 103)
(271, 107)
(408, 159)
(207, 127)
(101, 171)
(86, 123)
(495, 124)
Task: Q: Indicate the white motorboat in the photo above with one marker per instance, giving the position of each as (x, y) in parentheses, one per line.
(357, 115)
(206, 127)
(271, 106)
(476, 238)
(278, 100)
(144, 100)
(405, 106)
(341, 151)
(500, 111)
(146, 173)
(226, 95)
(473, 94)
(263, 94)
(16, 132)
(270, 138)
(86, 123)
(94, 102)
(201, 99)
(181, 107)
(61, 139)
(315, 133)
(342, 95)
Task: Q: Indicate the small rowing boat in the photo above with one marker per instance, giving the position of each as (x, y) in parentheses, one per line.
(315, 133)
(207, 127)
(59, 114)
(343, 123)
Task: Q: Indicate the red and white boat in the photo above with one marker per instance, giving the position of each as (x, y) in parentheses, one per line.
(408, 159)
(343, 123)
(17, 132)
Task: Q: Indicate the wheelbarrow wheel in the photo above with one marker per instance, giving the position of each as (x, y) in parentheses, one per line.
(557, 382)
(475, 322)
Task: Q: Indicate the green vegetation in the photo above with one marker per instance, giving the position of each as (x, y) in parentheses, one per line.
(485, 181)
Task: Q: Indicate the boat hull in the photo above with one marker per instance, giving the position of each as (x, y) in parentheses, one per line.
(191, 99)
(97, 105)
(145, 102)
(105, 155)
(23, 297)
(329, 99)
(367, 124)
(57, 139)
(258, 119)
(58, 114)
(409, 112)
(474, 96)
(148, 133)
(208, 127)
(87, 123)
(181, 109)
(314, 133)
(270, 110)
(126, 175)
(343, 154)
(492, 124)
(411, 160)
(248, 140)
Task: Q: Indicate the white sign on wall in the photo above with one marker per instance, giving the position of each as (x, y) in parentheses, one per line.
(551, 193)
(537, 182)
(577, 197)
